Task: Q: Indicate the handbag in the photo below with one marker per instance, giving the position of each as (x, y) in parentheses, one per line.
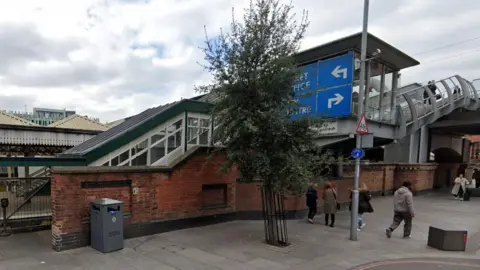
(335, 197)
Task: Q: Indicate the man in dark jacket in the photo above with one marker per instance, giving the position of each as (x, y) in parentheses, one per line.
(403, 210)
(312, 197)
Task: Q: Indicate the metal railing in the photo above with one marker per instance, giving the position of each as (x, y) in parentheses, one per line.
(274, 218)
(417, 105)
(29, 199)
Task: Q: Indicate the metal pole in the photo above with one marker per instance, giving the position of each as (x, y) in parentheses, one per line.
(367, 107)
(382, 91)
(361, 94)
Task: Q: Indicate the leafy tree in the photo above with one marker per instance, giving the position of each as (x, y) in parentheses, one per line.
(253, 69)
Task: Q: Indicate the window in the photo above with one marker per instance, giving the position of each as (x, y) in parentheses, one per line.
(203, 137)
(157, 152)
(139, 147)
(158, 136)
(192, 135)
(214, 196)
(175, 126)
(192, 121)
(106, 163)
(140, 160)
(120, 158)
(174, 141)
(204, 123)
(198, 131)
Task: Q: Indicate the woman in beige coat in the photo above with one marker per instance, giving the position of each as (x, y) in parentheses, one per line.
(459, 188)
(330, 204)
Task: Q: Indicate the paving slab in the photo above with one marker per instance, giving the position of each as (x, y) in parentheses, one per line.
(239, 245)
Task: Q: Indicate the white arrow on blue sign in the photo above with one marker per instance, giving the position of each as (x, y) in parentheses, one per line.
(335, 102)
(335, 71)
(357, 153)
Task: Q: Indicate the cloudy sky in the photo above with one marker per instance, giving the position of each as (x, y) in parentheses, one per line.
(115, 58)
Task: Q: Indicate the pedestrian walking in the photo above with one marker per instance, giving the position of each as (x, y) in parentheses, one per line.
(460, 187)
(330, 204)
(403, 210)
(364, 205)
(312, 197)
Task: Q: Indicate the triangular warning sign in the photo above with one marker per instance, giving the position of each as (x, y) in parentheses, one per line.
(362, 127)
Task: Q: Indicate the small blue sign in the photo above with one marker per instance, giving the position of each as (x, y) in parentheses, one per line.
(307, 79)
(336, 71)
(358, 153)
(334, 102)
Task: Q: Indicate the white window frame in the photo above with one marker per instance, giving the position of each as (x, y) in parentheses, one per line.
(200, 117)
(123, 148)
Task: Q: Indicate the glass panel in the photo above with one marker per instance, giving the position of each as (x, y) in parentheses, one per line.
(157, 137)
(106, 163)
(139, 147)
(140, 160)
(124, 156)
(175, 126)
(157, 152)
(115, 161)
(142, 145)
(174, 141)
(204, 122)
(203, 136)
(192, 135)
(192, 121)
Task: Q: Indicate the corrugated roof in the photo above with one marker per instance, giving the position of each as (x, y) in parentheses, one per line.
(79, 122)
(10, 119)
(117, 130)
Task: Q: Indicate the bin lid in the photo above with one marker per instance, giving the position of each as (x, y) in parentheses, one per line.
(106, 201)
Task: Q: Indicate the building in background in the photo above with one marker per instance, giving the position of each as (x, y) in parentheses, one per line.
(46, 117)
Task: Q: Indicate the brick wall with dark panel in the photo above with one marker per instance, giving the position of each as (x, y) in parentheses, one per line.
(193, 193)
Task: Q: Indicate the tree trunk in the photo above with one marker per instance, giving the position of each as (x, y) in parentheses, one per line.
(274, 218)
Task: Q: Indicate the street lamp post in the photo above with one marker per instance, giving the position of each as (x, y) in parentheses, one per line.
(361, 95)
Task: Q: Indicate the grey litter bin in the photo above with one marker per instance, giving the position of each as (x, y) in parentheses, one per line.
(106, 225)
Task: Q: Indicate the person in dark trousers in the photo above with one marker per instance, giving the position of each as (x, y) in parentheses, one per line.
(312, 197)
(403, 210)
(330, 204)
(364, 205)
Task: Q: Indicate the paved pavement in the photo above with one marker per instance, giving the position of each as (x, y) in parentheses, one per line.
(422, 263)
(238, 245)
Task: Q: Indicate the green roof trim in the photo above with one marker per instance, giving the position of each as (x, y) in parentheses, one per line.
(41, 161)
(185, 105)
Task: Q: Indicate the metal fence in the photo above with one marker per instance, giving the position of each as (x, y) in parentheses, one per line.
(29, 203)
(274, 218)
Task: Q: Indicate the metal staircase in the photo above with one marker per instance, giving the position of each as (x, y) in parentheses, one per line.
(32, 183)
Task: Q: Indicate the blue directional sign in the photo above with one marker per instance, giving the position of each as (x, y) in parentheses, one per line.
(307, 105)
(304, 88)
(324, 88)
(357, 153)
(336, 71)
(307, 79)
(334, 102)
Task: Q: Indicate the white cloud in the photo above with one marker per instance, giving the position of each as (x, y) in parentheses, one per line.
(114, 58)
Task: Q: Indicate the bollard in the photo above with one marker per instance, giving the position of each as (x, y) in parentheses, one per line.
(4, 203)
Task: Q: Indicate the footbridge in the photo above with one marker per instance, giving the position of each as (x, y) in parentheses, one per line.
(401, 118)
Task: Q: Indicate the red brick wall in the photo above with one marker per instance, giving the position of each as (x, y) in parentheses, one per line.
(172, 195)
(378, 178)
(422, 176)
(161, 195)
